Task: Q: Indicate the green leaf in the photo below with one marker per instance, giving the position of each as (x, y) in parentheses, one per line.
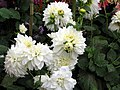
(117, 87)
(83, 62)
(112, 76)
(5, 13)
(25, 5)
(101, 71)
(111, 68)
(89, 28)
(15, 14)
(3, 49)
(91, 66)
(8, 83)
(87, 82)
(111, 55)
(99, 42)
(114, 46)
(99, 59)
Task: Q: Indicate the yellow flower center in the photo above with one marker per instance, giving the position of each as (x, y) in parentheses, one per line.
(68, 47)
(60, 81)
(61, 12)
(63, 62)
(27, 43)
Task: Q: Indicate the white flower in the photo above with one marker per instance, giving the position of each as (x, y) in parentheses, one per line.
(22, 28)
(56, 15)
(115, 24)
(24, 41)
(68, 40)
(94, 7)
(62, 60)
(13, 65)
(37, 56)
(59, 80)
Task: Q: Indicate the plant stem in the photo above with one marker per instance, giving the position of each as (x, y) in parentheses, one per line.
(106, 19)
(74, 8)
(31, 17)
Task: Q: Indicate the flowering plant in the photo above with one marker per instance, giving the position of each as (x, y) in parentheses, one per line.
(60, 44)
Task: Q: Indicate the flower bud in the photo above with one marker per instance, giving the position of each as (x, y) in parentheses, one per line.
(82, 10)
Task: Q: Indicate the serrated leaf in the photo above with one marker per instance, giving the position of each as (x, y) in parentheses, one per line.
(112, 76)
(111, 68)
(99, 42)
(91, 66)
(88, 82)
(83, 62)
(114, 46)
(99, 59)
(3, 49)
(101, 71)
(111, 55)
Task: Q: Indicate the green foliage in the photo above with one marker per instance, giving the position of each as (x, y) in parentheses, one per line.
(8, 13)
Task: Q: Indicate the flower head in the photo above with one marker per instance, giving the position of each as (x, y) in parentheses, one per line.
(59, 80)
(13, 62)
(115, 24)
(22, 28)
(37, 56)
(68, 40)
(62, 60)
(56, 15)
(94, 8)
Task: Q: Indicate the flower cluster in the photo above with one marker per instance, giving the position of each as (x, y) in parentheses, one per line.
(68, 44)
(26, 54)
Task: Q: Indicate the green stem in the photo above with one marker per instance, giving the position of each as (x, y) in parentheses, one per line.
(106, 19)
(74, 8)
(31, 17)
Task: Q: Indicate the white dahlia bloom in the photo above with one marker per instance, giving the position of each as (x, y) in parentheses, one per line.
(22, 28)
(62, 60)
(37, 56)
(59, 80)
(115, 24)
(13, 62)
(68, 40)
(56, 15)
(94, 9)
(24, 41)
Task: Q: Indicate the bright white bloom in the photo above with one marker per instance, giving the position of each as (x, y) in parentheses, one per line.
(115, 24)
(13, 65)
(37, 56)
(94, 7)
(62, 60)
(56, 15)
(68, 40)
(22, 28)
(24, 41)
(59, 80)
